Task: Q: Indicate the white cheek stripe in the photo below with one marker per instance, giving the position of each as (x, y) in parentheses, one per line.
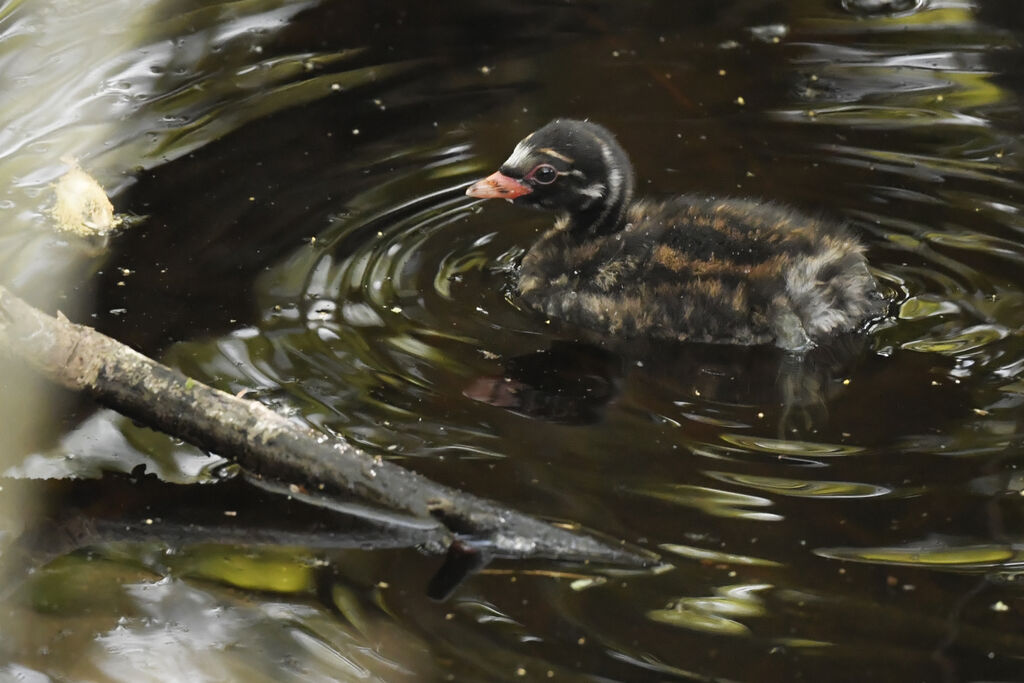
(614, 173)
(614, 181)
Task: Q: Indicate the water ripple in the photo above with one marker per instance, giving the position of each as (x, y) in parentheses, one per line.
(948, 555)
(801, 488)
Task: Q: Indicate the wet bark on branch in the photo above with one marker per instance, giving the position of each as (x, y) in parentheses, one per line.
(281, 454)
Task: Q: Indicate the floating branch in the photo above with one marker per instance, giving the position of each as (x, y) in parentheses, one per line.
(283, 455)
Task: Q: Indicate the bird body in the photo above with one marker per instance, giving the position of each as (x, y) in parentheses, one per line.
(689, 268)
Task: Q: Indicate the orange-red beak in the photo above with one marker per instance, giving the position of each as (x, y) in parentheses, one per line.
(498, 186)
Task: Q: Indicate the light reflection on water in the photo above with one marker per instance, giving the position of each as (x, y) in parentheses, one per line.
(395, 325)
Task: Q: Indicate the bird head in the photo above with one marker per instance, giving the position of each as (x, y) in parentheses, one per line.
(567, 165)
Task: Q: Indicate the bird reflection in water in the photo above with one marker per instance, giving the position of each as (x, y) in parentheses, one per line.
(573, 382)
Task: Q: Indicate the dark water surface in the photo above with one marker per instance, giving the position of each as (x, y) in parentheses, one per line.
(855, 516)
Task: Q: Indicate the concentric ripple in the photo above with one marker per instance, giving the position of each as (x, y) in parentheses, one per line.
(394, 307)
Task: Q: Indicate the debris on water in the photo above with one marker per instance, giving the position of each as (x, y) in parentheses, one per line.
(81, 205)
(770, 33)
(880, 7)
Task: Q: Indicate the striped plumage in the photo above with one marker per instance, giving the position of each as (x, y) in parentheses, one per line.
(688, 268)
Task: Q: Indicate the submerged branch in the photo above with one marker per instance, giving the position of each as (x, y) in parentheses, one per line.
(282, 454)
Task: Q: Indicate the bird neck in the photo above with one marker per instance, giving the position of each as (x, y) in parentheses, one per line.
(607, 215)
(604, 219)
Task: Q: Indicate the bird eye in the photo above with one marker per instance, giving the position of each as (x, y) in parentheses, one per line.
(544, 174)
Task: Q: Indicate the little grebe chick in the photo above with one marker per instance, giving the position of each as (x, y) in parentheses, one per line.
(730, 271)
